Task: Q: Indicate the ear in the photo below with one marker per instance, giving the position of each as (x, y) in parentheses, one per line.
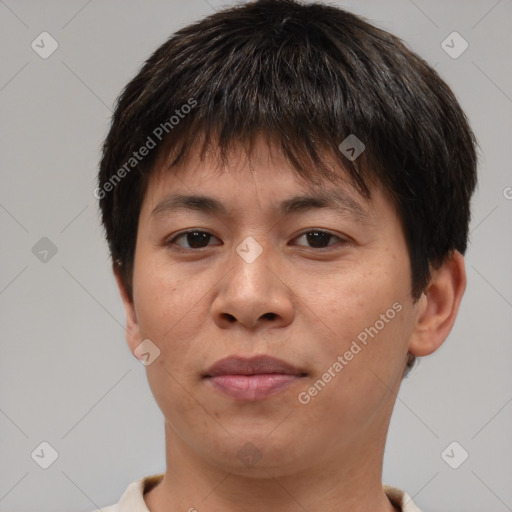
(133, 336)
(438, 306)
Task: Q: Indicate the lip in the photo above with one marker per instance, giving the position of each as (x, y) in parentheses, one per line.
(252, 379)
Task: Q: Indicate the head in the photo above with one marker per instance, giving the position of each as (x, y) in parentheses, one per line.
(252, 106)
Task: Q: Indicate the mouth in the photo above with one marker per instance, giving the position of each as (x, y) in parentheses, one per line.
(252, 379)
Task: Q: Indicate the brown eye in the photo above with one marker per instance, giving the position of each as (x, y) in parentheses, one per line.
(196, 239)
(318, 239)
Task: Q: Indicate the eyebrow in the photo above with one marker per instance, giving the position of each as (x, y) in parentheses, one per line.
(336, 200)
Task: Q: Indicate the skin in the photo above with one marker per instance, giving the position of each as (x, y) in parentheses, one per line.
(199, 305)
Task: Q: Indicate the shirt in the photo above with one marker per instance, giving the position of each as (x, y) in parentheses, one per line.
(133, 498)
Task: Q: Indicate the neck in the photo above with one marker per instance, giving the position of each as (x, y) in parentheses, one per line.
(348, 480)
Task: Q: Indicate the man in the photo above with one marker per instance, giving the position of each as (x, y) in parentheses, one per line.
(285, 191)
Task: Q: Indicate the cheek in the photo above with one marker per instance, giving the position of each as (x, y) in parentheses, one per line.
(368, 317)
(348, 393)
(161, 298)
(353, 300)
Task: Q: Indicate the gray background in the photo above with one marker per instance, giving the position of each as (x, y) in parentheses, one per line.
(66, 374)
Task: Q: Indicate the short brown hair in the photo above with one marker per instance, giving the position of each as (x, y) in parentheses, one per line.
(307, 76)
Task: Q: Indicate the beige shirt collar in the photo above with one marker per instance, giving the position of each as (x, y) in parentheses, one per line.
(133, 498)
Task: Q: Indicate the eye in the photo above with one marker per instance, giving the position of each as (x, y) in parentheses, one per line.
(196, 239)
(318, 238)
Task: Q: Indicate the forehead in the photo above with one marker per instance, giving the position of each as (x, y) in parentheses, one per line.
(259, 163)
(264, 174)
(258, 178)
(260, 152)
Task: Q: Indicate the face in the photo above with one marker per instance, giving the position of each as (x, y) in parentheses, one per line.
(324, 289)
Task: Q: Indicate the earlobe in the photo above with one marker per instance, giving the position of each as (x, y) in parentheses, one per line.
(438, 306)
(133, 336)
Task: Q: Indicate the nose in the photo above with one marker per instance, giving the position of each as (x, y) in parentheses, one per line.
(255, 293)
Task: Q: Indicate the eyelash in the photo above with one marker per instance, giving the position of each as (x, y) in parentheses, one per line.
(172, 241)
